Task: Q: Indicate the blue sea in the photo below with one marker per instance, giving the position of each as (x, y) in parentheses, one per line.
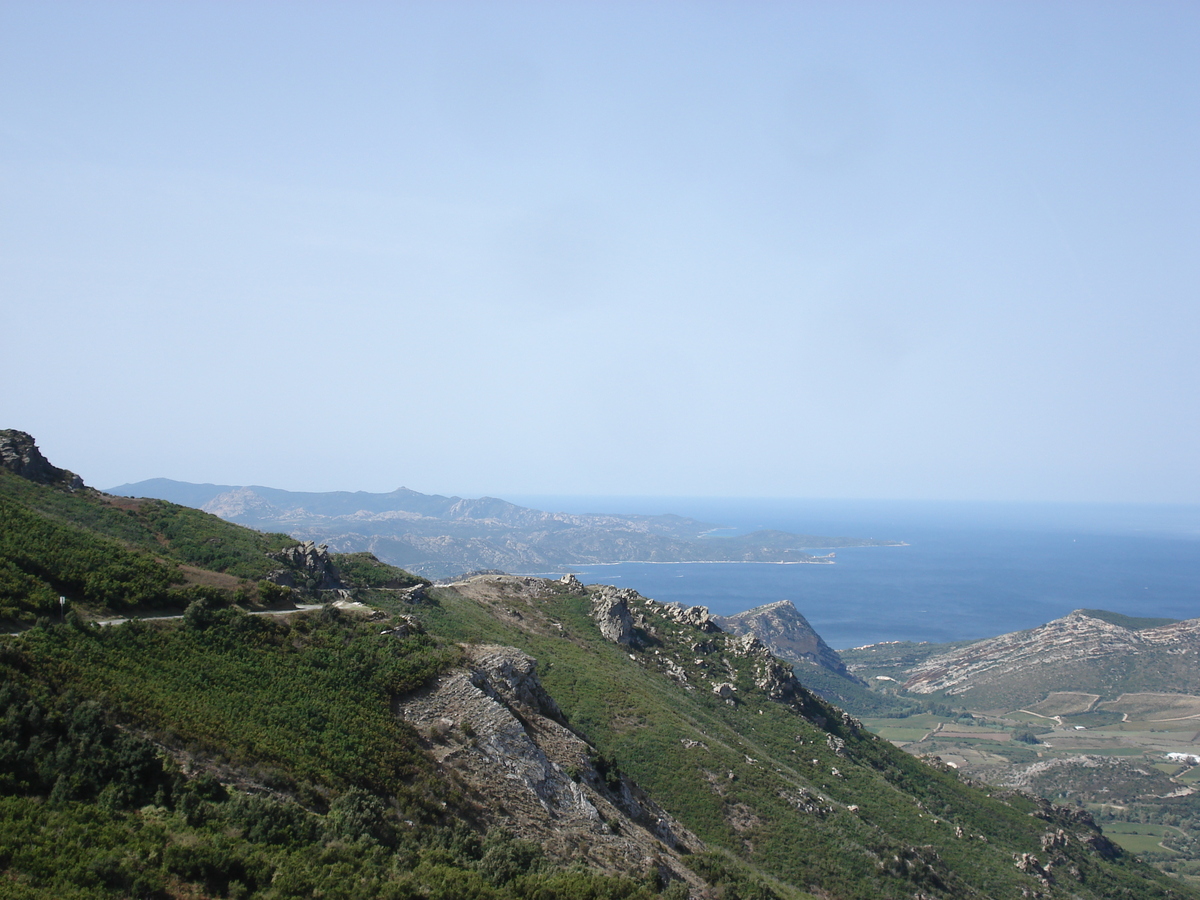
(969, 570)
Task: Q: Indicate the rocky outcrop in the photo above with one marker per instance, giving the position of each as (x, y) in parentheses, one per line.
(20, 455)
(787, 634)
(695, 616)
(403, 627)
(614, 607)
(418, 593)
(306, 565)
(510, 677)
(572, 584)
(492, 723)
(776, 679)
(610, 609)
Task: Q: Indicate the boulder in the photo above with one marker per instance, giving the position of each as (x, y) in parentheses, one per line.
(610, 609)
(572, 584)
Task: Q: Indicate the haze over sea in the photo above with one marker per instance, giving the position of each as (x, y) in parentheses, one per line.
(970, 570)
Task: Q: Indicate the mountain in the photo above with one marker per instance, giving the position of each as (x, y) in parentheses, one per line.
(1085, 650)
(1095, 709)
(444, 536)
(787, 634)
(500, 737)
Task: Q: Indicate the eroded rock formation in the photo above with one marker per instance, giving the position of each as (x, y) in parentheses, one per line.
(494, 725)
(20, 455)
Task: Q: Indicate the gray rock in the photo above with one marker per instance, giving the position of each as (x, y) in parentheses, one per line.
(695, 616)
(415, 594)
(309, 562)
(572, 584)
(20, 455)
(610, 609)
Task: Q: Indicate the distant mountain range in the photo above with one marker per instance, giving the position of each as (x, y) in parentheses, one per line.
(442, 537)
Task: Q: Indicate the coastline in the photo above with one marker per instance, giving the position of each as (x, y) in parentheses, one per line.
(819, 561)
(815, 560)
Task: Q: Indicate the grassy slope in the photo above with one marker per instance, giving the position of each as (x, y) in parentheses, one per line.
(109, 554)
(759, 759)
(342, 800)
(303, 711)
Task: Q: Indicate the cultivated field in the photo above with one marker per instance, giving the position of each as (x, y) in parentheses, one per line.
(1073, 748)
(1064, 703)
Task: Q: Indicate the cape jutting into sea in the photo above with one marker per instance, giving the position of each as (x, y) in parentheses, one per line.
(969, 570)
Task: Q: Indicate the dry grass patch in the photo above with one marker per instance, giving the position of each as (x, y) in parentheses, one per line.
(1152, 707)
(193, 575)
(1064, 703)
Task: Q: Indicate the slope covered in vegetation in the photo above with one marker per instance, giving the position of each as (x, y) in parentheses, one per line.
(396, 746)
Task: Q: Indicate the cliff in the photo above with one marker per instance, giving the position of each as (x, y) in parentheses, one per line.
(782, 628)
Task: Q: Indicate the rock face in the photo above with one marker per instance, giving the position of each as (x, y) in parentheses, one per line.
(20, 455)
(309, 563)
(787, 634)
(695, 616)
(610, 609)
(493, 724)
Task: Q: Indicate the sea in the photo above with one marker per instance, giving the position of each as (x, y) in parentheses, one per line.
(966, 571)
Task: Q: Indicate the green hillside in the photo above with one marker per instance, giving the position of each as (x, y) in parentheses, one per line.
(113, 555)
(392, 746)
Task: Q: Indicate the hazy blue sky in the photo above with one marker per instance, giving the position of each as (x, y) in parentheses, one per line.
(897, 250)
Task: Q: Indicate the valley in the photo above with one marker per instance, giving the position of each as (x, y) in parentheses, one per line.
(1120, 752)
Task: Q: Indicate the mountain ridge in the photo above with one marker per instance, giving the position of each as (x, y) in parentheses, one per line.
(442, 537)
(1025, 666)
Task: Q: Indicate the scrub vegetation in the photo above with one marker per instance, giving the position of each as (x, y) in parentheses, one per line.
(230, 754)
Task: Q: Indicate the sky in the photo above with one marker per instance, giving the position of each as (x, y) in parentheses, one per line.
(908, 250)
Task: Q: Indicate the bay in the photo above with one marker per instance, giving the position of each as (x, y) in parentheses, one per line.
(968, 570)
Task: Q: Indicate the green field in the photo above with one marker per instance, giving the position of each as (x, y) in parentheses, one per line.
(909, 729)
(1139, 838)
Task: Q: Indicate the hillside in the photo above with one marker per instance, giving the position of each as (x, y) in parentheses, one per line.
(446, 536)
(501, 737)
(1088, 653)
(108, 555)
(1097, 709)
(787, 634)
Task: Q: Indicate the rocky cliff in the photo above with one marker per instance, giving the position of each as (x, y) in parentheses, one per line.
(20, 455)
(787, 634)
(491, 725)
